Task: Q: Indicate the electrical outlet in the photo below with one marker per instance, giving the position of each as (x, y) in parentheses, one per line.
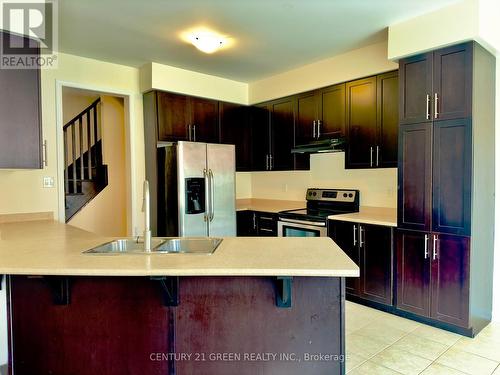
(48, 182)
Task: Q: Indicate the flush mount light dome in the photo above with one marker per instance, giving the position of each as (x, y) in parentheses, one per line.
(207, 42)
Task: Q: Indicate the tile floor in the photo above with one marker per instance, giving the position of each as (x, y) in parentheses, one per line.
(381, 343)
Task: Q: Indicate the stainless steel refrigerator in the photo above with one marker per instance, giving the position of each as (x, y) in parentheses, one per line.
(196, 190)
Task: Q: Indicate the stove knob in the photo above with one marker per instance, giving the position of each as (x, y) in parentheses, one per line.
(345, 195)
(314, 194)
(350, 195)
(310, 193)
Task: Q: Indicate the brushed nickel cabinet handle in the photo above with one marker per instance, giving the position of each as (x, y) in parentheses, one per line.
(319, 128)
(434, 247)
(378, 151)
(189, 132)
(371, 156)
(271, 162)
(428, 107)
(436, 98)
(45, 159)
(267, 162)
(194, 133)
(426, 246)
(361, 231)
(314, 129)
(355, 241)
(254, 221)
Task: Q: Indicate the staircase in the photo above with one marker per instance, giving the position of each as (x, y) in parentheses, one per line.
(85, 175)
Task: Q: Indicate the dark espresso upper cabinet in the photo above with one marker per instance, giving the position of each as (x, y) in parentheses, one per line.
(387, 119)
(415, 89)
(235, 129)
(20, 124)
(186, 118)
(282, 134)
(361, 122)
(372, 121)
(173, 116)
(436, 85)
(452, 82)
(332, 118)
(307, 117)
(261, 137)
(204, 120)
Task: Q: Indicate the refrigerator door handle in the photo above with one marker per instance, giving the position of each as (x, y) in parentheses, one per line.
(207, 201)
(212, 194)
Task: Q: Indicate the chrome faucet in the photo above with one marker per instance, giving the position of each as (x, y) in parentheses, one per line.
(146, 208)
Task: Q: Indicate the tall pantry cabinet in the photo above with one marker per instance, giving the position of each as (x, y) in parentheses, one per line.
(444, 242)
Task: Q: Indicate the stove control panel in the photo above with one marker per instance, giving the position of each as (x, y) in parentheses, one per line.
(332, 195)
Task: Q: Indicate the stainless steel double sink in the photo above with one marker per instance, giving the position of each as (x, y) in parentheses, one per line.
(158, 246)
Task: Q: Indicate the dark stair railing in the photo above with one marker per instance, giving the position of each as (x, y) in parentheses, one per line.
(85, 175)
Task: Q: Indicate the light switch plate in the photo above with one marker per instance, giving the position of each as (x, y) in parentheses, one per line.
(48, 182)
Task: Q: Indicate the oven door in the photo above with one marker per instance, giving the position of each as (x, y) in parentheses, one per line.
(299, 228)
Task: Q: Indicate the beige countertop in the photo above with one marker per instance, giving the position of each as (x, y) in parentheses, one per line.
(268, 205)
(371, 215)
(47, 247)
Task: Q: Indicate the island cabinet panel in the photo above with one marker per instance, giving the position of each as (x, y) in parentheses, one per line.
(112, 326)
(237, 317)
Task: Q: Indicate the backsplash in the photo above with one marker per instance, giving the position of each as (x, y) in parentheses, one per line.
(378, 186)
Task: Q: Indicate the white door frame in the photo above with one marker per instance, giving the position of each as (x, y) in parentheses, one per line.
(130, 163)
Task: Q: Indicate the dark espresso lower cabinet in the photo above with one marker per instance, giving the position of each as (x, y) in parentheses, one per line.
(370, 247)
(120, 325)
(433, 276)
(254, 223)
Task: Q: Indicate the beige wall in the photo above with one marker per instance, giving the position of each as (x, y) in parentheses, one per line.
(106, 214)
(169, 78)
(348, 66)
(378, 187)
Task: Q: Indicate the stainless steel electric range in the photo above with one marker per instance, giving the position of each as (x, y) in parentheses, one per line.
(312, 220)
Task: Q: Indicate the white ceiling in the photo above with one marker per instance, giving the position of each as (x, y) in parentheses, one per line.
(271, 36)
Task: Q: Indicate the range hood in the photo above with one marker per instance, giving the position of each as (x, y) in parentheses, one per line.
(326, 145)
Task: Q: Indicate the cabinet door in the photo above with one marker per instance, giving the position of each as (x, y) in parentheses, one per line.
(346, 236)
(415, 89)
(450, 280)
(452, 82)
(361, 122)
(305, 125)
(246, 223)
(173, 116)
(332, 111)
(261, 137)
(376, 263)
(414, 176)
(387, 120)
(235, 129)
(282, 134)
(204, 120)
(452, 159)
(413, 272)
(20, 124)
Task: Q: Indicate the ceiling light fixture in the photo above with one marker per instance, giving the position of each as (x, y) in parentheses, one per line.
(207, 42)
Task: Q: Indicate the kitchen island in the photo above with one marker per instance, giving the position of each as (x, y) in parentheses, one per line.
(255, 306)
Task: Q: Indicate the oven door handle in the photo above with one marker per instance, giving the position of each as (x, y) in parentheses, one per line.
(308, 223)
